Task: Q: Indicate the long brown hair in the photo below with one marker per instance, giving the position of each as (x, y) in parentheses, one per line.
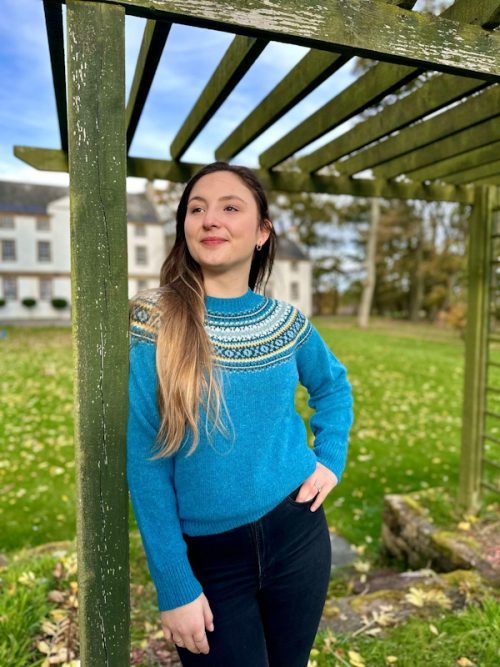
(187, 376)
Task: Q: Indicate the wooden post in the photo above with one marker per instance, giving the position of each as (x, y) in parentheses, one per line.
(476, 348)
(97, 169)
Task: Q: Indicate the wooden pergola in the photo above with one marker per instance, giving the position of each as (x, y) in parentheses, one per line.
(439, 142)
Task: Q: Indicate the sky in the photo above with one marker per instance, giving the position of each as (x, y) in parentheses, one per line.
(28, 112)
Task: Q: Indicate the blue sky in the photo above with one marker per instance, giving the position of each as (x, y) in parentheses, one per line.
(28, 113)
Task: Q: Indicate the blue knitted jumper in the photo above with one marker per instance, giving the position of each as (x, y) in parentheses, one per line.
(263, 347)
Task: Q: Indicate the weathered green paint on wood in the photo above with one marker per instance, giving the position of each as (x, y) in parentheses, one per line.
(367, 28)
(286, 181)
(470, 175)
(44, 159)
(489, 180)
(55, 38)
(153, 42)
(366, 91)
(477, 12)
(239, 57)
(310, 72)
(475, 109)
(442, 169)
(97, 168)
(434, 94)
(418, 165)
(314, 68)
(479, 252)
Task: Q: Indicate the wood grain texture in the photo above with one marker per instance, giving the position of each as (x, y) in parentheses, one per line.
(369, 28)
(99, 291)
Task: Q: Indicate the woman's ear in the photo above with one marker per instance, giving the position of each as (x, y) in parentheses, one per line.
(266, 227)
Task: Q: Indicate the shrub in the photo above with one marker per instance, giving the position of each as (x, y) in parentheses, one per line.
(59, 303)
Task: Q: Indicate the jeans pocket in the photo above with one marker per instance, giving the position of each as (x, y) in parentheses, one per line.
(291, 498)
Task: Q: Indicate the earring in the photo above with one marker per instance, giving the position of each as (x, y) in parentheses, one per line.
(259, 246)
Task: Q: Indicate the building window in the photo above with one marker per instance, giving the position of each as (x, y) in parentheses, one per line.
(140, 230)
(294, 291)
(141, 255)
(43, 251)
(6, 222)
(142, 284)
(43, 224)
(45, 288)
(294, 266)
(8, 250)
(10, 289)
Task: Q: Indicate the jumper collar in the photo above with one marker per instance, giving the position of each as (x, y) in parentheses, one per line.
(235, 304)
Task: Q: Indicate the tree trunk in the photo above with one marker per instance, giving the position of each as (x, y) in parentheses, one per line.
(369, 283)
(417, 277)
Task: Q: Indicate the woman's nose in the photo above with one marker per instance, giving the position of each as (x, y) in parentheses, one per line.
(210, 219)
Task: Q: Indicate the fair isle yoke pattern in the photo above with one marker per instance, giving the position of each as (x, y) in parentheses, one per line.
(263, 335)
(144, 315)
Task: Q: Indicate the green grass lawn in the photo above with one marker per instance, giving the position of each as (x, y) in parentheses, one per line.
(407, 382)
(406, 432)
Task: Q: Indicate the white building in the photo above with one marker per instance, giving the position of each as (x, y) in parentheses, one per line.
(291, 277)
(35, 250)
(35, 254)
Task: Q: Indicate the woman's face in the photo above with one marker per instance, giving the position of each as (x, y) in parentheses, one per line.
(222, 223)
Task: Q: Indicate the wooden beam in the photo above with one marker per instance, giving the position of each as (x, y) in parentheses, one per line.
(99, 295)
(55, 36)
(485, 13)
(475, 109)
(442, 169)
(488, 180)
(314, 68)
(476, 348)
(45, 159)
(153, 42)
(437, 92)
(310, 72)
(366, 91)
(382, 31)
(285, 181)
(415, 164)
(239, 57)
(470, 175)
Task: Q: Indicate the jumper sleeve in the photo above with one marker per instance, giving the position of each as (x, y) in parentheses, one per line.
(151, 486)
(330, 395)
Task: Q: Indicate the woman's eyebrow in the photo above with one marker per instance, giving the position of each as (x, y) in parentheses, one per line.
(220, 198)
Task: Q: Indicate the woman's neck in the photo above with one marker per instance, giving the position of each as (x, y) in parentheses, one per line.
(227, 287)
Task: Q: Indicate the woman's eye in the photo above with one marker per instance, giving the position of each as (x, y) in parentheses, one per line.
(230, 206)
(193, 210)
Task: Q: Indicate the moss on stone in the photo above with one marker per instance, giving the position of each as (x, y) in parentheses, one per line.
(385, 595)
(448, 540)
(412, 502)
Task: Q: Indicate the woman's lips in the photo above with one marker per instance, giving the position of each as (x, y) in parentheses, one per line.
(213, 241)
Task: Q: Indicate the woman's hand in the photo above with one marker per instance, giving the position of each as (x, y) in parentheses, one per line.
(324, 478)
(185, 625)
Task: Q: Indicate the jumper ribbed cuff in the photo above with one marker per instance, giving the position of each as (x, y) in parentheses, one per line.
(176, 585)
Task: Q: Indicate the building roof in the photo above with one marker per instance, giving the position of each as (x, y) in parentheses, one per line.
(288, 249)
(33, 199)
(29, 198)
(140, 208)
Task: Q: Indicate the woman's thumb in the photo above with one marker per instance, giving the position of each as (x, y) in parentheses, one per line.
(209, 618)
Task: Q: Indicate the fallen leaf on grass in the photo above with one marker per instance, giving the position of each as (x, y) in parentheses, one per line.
(356, 659)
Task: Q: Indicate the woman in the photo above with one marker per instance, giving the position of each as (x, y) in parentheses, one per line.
(234, 529)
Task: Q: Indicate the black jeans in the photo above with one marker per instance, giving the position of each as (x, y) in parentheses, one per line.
(266, 583)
